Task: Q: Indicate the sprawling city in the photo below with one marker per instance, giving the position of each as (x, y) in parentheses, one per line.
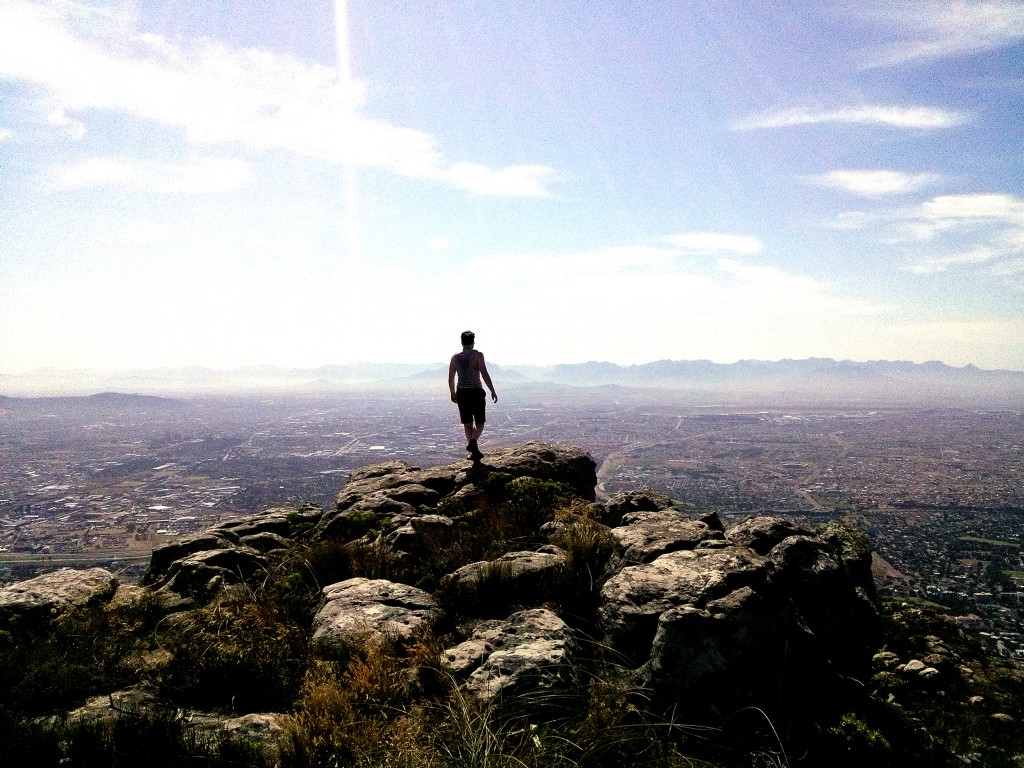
(939, 491)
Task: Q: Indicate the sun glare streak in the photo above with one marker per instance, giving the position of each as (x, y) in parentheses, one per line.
(353, 256)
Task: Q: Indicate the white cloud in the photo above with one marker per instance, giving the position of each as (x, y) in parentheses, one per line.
(987, 343)
(852, 220)
(618, 261)
(771, 291)
(641, 304)
(926, 31)
(6, 134)
(75, 129)
(961, 230)
(531, 267)
(933, 264)
(874, 183)
(218, 95)
(662, 281)
(1009, 268)
(515, 181)
(915, 118)
(206, 175)
(716, 243)
(995, 207)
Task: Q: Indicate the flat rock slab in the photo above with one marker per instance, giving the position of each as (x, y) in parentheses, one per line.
(359, 608)
(647, 535)
(391, 477)
(58, 590)
(527, 653)
(564, 464)
(511, 567)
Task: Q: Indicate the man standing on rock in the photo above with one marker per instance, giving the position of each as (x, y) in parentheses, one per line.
(470, 368)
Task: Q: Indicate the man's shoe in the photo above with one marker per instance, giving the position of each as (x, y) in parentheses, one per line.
(475, 454)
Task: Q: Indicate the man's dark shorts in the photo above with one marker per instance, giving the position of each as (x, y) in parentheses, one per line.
(472, 404)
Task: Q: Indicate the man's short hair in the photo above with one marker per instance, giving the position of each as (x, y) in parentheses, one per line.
(468, 337)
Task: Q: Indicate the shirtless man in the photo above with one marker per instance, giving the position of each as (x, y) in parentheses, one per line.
(470, 368)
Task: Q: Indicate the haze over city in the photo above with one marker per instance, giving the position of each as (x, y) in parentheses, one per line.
(298, 183)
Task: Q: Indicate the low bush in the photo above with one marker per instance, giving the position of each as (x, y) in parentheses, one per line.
(50, 664)
(247, 656)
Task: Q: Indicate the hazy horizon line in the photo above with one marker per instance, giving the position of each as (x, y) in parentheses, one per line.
(52, 369)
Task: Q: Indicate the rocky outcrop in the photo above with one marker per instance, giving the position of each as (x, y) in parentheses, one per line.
(57, 591)
(705, 621)
(769, 614)
(266, 733)
(194, 568)
(393, 495)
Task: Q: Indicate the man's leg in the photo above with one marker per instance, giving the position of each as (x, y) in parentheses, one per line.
(479, 417)
(473, 448)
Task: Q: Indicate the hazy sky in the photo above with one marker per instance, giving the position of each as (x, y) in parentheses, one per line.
(229, 182)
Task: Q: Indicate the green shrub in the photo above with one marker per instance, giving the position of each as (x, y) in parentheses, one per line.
(247, 657)
(51, 664)
(858, 741)
(354, 524)
(532, 502)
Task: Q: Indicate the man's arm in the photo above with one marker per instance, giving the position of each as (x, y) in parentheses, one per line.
(487, 377)
(451, 379)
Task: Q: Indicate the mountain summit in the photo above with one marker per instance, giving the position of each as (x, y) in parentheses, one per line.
(431, 607)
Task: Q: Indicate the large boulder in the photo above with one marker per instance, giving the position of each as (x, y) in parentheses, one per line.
(287, 523)
(762, 533)
(201, 575)
(516, 578)
(772, 615)
(57, 591)
(397, 479)
(377, 511)
(633, 600)
(637, 500)
(739, 650)
(644, 536)
(414, 536)
(268, 734)
(522, 661)
(360, 608)
(165, 555)
(569, 465)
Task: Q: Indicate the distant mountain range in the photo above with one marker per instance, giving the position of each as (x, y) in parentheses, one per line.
(817, 378)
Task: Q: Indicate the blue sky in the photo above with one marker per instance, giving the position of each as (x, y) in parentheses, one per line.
(235, 182)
